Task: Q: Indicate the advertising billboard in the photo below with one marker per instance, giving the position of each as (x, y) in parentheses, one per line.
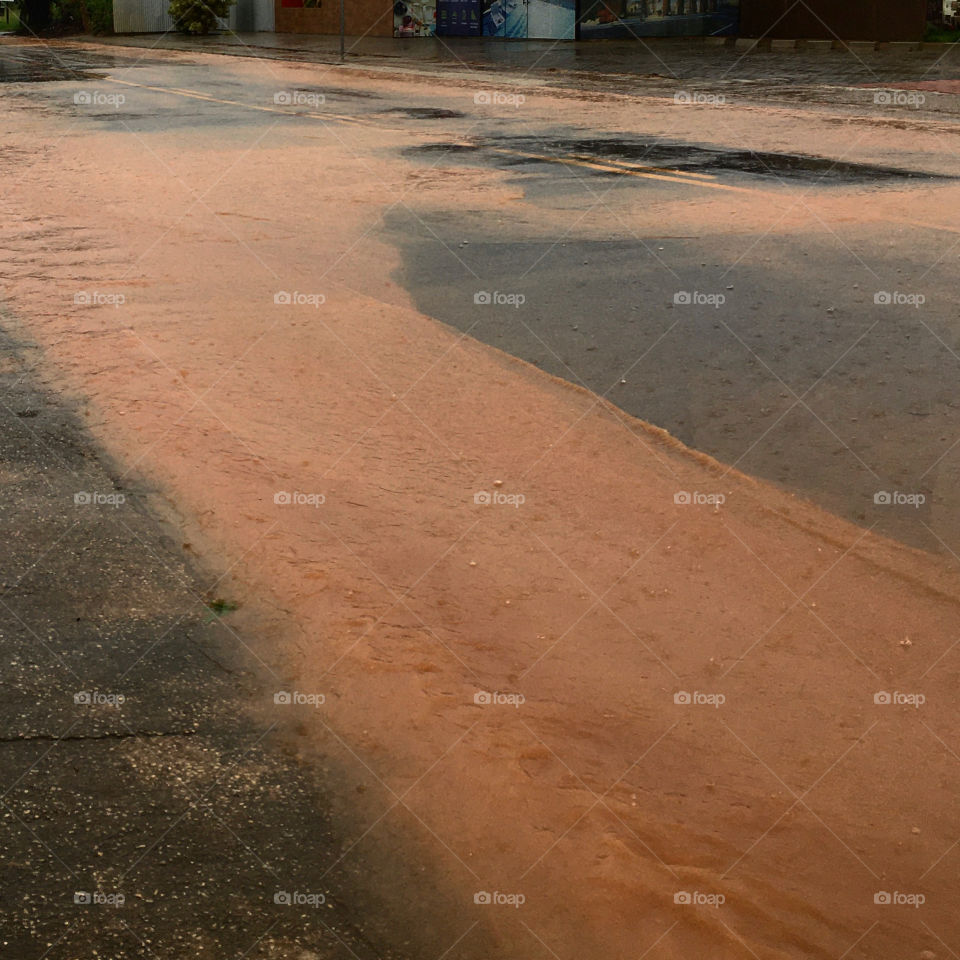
(658, 18)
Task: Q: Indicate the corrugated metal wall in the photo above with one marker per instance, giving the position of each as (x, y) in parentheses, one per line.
(253, 15)
(141, 16)
(150, 16)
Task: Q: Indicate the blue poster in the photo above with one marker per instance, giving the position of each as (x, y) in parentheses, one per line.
(458, 18)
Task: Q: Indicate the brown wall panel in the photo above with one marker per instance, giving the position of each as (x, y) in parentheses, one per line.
(834, 19)
(374, 18)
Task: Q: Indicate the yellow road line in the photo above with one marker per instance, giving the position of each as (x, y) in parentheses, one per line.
(195, 95)
(624, 168)
(609, 168)
(648, 167)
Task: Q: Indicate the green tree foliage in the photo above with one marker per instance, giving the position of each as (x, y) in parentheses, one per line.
(198, 16)
(66, 16)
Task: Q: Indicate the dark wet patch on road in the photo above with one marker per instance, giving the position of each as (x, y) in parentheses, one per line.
(425, 113)
(824, 391)
(671, 157)
(17, 71)
(24, 63)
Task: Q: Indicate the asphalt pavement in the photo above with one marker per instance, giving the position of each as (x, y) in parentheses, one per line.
(814, 384)
(148, 811)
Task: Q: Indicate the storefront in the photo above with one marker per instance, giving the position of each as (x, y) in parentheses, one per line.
(564, 19)
(658, 18)
(600, 19)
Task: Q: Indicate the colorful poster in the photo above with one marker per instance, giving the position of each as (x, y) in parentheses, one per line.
(458, 18)
(658, 18)
(414, 18)
(505, 18)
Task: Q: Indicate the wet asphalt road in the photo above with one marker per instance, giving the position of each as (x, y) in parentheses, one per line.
(787, 364)
(197, 814)
(800, 377)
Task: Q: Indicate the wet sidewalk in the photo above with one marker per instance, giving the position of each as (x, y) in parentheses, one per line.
(786, 62)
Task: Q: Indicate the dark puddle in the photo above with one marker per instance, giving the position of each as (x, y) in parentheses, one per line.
(425, 113)
(19, 72)
(680, 156)
(27, 64)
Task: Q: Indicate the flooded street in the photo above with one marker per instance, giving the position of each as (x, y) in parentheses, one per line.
(552, 488)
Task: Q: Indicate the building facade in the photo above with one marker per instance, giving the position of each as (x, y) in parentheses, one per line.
(562, 19)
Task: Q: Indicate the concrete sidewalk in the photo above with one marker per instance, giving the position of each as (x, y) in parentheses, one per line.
(814, 62)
